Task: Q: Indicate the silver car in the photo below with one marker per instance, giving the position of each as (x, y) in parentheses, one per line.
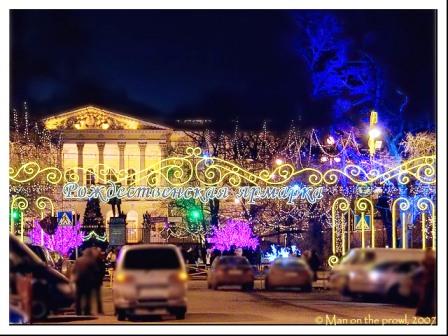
(231, 271)
(290, 272)
(150, 279)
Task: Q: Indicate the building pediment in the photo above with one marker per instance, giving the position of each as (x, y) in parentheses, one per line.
(91, 117)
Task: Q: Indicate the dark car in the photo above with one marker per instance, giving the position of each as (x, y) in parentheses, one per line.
(231, 271)
(43, 254)
(51, 291)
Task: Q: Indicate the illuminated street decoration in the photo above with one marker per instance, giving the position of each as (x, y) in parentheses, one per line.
(422, 205)
(21, 204)
(41, 204)
(233, 234)
(64, 240)
(93, 234)
(213, 171)
(282, 252)
(404, 205)
(105, 193)
(342, 204)
(364, 205)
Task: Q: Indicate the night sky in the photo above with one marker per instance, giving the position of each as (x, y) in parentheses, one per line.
(223, 65)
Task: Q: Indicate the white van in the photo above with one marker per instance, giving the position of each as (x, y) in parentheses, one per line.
(359, 271)
(150, 279)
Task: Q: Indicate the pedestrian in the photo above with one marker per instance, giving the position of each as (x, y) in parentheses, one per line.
(208, 258)
(111, 258)
(84, 275)
(314, 262)
(98, 283)
(426, 304)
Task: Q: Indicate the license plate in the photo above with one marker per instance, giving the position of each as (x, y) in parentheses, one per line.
(149, 311)
(291, 274)
(153, 293)
(235, 272)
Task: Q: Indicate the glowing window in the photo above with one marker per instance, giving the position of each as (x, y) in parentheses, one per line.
(90, 177)
(131, 177)
(111, 176)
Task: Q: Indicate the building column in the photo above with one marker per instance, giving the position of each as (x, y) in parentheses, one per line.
(142, 147)
(163, 150)
(121, 147)
(80, 146)
(163, 155)
(101, 172)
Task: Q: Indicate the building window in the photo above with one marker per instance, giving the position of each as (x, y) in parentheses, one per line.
(90, 177)
(131, 177)
(111, 177)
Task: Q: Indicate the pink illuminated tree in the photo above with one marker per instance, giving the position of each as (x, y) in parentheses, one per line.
(235, 233)
(64, 239)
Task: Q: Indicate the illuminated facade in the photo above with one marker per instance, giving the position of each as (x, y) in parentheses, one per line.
(94, 138)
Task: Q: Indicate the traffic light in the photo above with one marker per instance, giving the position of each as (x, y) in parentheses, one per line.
(195, 214)
(194, 217)
(16, 215)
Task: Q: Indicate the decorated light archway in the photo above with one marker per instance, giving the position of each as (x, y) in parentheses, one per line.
(208, 172)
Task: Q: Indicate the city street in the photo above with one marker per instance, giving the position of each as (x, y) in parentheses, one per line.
(262, 307)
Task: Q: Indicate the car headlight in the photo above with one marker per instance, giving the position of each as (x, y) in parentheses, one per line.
(374, 276)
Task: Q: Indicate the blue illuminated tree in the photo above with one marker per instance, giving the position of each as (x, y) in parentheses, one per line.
(348, 78)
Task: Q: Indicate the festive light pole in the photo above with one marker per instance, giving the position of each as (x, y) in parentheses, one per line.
(374, 134)
(18, 206)
(374, 144)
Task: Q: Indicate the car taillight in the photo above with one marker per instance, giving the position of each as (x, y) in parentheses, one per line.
(123, 278)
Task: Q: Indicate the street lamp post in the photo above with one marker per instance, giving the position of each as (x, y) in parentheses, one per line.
(374, 144)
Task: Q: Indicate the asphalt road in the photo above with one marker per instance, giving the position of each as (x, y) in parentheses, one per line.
(261, 307)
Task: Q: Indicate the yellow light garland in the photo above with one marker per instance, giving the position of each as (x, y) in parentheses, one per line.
(211, 171)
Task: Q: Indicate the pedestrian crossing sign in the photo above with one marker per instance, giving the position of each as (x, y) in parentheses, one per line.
(65, 218)
(362, 221)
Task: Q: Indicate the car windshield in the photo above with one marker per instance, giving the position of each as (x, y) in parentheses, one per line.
(39, 252)
(233, 261)
(151, 259)
(406, 267)
(290, 263)
(385, 266)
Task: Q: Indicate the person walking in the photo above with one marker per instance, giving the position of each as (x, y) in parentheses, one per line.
(98, 283)
(111, 258)
(84, 274)
(426, 304)
(314, 262)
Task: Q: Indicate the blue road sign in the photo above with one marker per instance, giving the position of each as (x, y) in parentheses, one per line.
(65, 218)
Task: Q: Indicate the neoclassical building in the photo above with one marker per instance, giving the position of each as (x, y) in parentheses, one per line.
(94, 137)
